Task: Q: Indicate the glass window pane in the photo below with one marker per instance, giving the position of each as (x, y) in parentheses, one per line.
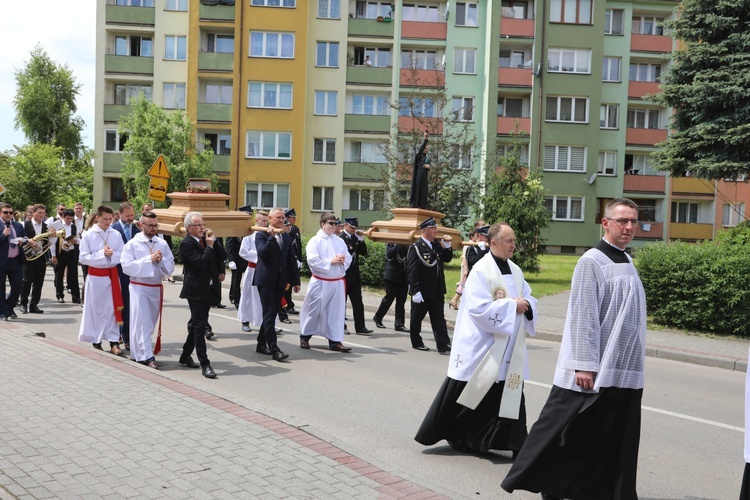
(331, 151)
(331, 110)
(269, 96)
(272, 45)
(580, 115)
(285, 96)
(285, 146)
(256, 44)
(328, 198)
(255, 91)
(322, 50)
(333, 55)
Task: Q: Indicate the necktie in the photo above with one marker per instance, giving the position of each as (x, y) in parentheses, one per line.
(13, 236)
(278, 239)
(127, 232)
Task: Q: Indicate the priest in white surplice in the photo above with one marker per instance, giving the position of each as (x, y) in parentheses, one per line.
(480, 405)
(249, 310)
(325, 302)
(147, 259)
(100, 249)
(585, 442)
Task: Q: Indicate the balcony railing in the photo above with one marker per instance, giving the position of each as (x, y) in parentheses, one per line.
(644, 183)
(692, 185)
(650, 230)
(123, 14)
(113, 112)
(128, 64)
(421, 78)
(507, 125)
(636, 90)
(356, 171)
(424, 31)
(214, 112)
(368, 75)
(370, 28)
(515, 77)
(221, 164)
(517, 27)
(409, 125)
(645, 136)
(650, 43)
(112, 162)
(217, 12)
(686, 231)
(380, 124)
(215, 61)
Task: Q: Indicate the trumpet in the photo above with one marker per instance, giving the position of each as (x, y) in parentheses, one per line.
(43, 241)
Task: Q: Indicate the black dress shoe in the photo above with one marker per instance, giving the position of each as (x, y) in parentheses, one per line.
(444, 353)
(61, 300)
(12, 314)
(339, 347)
(209, 335)
(76, 301)
(286, 320)
(279, 356)
(208, 372)
(188, 361)
(292, 310)
(35, 310)
(401, 329)
(23, 309)
(364, 331)
(422, 348)
(378, 322)
(278, 331)
(262, 349)
(220, 306)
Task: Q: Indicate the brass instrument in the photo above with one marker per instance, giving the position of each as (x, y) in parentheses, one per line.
(43, 241)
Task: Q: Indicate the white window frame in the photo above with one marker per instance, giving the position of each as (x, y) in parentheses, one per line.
(657, 25)
(461, 106)
(323, 194)
(172, 44)
(221, 138)
(286, 4)
(265, 44)
(119, 141)
(607, 66)
(559, 12)
(523, 153)
(568, 202)
(581, 59)
(691, 215)
(367, 152)
(732, 214)
(465, 61)
(331, 60)
(266, 87)
(323, 100)
(280, 194)
(176, 5)
(609, 22)
(322, 146)
(220, 92)
(216, 37)
(131, 90)
(134, 3)
(419, 59)
(263, 137)
(372, 9)
(565, 158)
(379, 105)
(647, 114)
(519, 56)
(466, 20)
(558, 109)
(502, 107)
(462, 156)
(420, 12)
(325, 7)
(366, 202)
(607, 163)
(127, 38)
(607, 113)
(635, 76)
(179, 92)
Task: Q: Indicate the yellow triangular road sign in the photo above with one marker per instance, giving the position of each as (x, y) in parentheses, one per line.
(159, 168)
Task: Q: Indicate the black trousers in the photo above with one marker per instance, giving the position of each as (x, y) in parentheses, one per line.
(397, 291)
(288, 297)
(68, 261)
(33, 280)
(434, 307)
(235, 288)
(354, 291)
(196, 337)
(13, 273)
(270, 301)
(125, 288)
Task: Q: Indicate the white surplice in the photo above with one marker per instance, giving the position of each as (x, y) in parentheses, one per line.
(249, 310)
(145, 305)
(323, 310)
(98, 321)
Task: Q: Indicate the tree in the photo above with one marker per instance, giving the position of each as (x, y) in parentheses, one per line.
(515, 194)
(45, 104)
(151, 132)
(707, 85)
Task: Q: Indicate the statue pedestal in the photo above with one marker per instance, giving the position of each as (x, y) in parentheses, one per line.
(403, 229)
(213, 206)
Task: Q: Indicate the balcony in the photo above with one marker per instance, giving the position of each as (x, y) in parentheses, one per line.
(645, 136)
(376, 124)
(369, 76)
(424, 31)
(421, 78)
(217, 13)
(370, 28)
(644, 183)
(523, 28)
(507, 125)
(122, 14)
(112, 162)
(650, 43)
(692, 185)
(650, 230)
(355, 171)
(134, 65)
(687, 231)
(515, 77)
(214, 112)
(410, 124)
(222, 164)
(113, 112)
(215, 61)
(636, 90)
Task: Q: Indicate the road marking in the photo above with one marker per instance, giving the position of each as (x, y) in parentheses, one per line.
(666, 412)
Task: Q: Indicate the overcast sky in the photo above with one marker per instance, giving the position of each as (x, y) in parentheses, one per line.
(67, 32)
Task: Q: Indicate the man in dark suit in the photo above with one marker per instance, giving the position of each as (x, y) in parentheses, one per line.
(127, 230)
(65, 254)
(424, 271)
(11, 260)
(34, 270)
(276, 267)
(356, 245)
(198, 257)
(291, 217)
(396, 287)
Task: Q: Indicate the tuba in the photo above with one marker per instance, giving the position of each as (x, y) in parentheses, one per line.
(44, 243)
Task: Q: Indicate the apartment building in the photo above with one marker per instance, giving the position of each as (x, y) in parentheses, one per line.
(297, 100)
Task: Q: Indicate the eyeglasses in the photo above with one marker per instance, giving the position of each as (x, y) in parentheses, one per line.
(331, 222)
(150, 225)
(6, 212)
(624, 222)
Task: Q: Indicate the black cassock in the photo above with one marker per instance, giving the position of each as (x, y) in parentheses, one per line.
(419, 178)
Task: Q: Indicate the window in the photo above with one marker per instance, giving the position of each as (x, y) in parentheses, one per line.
(611, 69)
(511, 58)
(613, 22)
(464, 61)
(324, 151)
(218, 93)
(327, 54)
(607, 163)
(569, 208)
(370, 105)
(419, 59)
(739, 178)
(567, 109)
(322, 199)
(571, 11)
(114, 142)
(177, 5)
(466, 14)
(510, 108)
(565, 158)
(272, 145)
(266, 44)
(117, 190)
(422, 13)
(684, 212)
(732, 214)
(569, 61)
(223, 44)
(220, 144)
(644, 118)
(608, 116)
(515, 9)
(647, 25)
(367, 152)
(124, 93)
(274, 3)
(174, 96)
(463, 109)
(640, 164)
(136, 46)
(329, 9)
(645, 72)
(269, 95)
(379, 57)
(372, 9)
(522, 152)
(646, 210)
(175, 48)
(366, 199)
(420, 107)
(259, 195)
(135, 3)
(461, 156)
(325, 102)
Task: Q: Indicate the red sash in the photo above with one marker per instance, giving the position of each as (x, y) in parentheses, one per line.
(252, 264)
(332, 279)
(157, 347)
(114, 278)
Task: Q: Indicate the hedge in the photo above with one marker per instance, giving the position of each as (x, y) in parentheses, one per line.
(371, 266)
